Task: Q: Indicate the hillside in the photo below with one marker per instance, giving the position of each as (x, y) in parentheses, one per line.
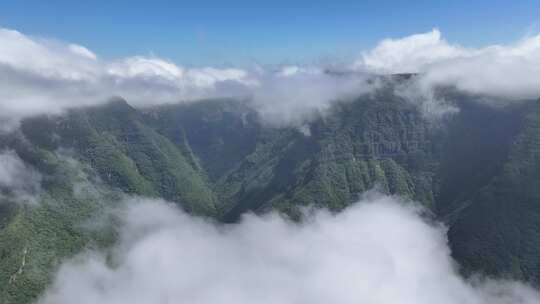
(478, 170)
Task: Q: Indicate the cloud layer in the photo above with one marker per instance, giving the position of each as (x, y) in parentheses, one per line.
(378, 251)
(293, 95)
(18, 182)
(411, 54)
(500, 71)
(40, 76)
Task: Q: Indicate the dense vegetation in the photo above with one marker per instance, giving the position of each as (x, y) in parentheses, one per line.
(478, 170)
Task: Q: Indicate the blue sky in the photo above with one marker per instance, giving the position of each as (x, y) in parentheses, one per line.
(239, 32)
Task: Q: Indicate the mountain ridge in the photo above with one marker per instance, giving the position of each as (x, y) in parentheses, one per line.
(216, 158)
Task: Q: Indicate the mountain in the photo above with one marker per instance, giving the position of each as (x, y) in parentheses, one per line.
(478, 170)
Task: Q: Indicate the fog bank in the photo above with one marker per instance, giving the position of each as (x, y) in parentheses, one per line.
(380, 250)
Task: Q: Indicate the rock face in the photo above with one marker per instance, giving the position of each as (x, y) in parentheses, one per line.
(478, 170)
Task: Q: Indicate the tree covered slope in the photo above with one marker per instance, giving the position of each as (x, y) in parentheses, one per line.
(478, 170)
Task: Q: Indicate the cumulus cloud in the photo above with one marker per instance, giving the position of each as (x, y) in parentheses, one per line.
(410, 54)
(509, 71)
(18, 182)
(380, 250)
(39, 76)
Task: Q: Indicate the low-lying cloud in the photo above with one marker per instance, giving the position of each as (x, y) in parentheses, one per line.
(509, 71)
(46, 77)
(40, 76)
(18, 182)
(294, 95)
(380, 250)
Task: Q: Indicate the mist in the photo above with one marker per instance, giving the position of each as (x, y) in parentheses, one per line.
(497, 74)
(18, 182)
(293, 95)
(379, 250)
(44, 76)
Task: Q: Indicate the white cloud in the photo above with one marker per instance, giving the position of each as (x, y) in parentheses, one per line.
(293, 95)
(410, 54)
(18, 182)
(509, 71)
(378, 251)
(82, 51)
(40, 76)
(45, 58)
